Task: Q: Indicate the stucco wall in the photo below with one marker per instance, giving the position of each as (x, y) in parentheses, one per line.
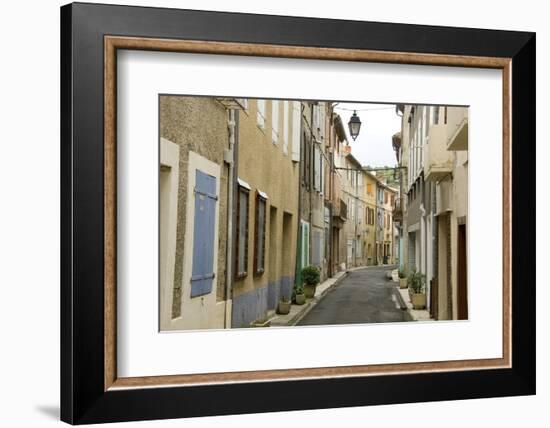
(264, 166)
(370, 236)
(197, 124)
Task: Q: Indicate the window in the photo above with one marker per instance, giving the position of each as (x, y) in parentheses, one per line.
(286, 135)
(317, 168)
(259, 234)
(369, 189)
(275, 121)
(242, 230)
(370, 214)
(296, 129)
(305, 243)
(261, 113)
(321, 171)
(425, 124)
(306, 168)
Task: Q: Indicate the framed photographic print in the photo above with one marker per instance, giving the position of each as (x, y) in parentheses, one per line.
(266, 213)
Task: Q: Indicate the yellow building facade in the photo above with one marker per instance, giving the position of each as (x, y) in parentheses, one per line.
(369, 197)
(266, 207)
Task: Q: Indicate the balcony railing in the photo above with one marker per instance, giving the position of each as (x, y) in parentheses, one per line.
(438, 161)
(457, 128)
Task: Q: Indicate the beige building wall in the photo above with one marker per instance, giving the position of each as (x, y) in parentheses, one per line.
(352, 193)
(265, 163)
(389, 196)
(339, 209)
(369, 196)
(434, 149)
(315, 163)
(182, 126)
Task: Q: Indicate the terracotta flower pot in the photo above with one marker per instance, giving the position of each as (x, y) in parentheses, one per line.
(309, 290)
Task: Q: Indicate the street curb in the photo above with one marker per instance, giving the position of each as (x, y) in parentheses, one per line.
(300, 315)
(399, 297)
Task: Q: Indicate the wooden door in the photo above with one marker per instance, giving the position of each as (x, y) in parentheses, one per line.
(462, 276)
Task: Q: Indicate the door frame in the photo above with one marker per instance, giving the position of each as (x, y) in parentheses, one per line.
(169, 157)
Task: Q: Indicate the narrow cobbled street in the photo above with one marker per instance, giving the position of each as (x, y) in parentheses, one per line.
(364, 296)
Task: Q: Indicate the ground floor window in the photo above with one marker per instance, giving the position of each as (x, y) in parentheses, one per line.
(259, 234)
(242, 231)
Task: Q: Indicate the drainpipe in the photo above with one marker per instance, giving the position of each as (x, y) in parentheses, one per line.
(230, 159)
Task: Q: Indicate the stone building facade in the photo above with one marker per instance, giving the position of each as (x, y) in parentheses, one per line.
(314, 162)
(192, 155)
(369, 196)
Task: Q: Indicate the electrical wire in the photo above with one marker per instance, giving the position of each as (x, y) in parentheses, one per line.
(364, 109)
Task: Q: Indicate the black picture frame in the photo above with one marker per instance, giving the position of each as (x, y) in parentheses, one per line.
(83, 398)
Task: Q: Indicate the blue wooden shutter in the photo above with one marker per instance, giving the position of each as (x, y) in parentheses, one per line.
(202, 275)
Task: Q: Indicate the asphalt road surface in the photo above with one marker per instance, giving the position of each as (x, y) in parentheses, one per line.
(364, 296)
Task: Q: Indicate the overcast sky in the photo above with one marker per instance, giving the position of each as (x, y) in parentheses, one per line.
(378, 123)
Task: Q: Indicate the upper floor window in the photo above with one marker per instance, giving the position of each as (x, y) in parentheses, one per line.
(260, 119)
(286, 134)
(369, 189)
(275, 121)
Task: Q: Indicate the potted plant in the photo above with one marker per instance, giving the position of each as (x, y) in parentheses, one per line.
(310, 277)
(417, 290)
(402, 278)
(284, 305)
(299, 296)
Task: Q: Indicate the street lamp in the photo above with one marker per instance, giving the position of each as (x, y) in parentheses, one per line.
(354, 125)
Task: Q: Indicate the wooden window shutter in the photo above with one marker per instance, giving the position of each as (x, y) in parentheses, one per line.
(259, 233)
(261, 113)
(242, 191)
(275, 121)
(296, 130)
(286, 135)
(316, 168)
